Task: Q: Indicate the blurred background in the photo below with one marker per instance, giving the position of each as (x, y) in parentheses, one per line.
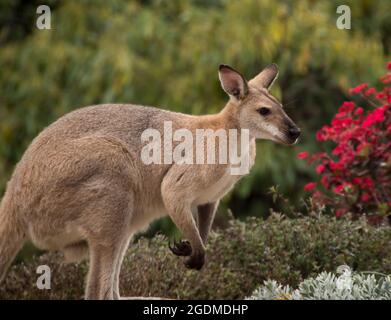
(166, 54)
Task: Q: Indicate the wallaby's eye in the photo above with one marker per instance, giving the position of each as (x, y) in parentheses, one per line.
(264, 111)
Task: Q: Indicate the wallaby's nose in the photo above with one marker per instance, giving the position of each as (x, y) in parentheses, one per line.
(294, 132)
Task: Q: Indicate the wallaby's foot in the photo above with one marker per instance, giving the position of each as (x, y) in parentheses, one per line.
(181, 248)
(195, 261)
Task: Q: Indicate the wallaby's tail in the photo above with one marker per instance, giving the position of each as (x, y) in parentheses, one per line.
(12, 235)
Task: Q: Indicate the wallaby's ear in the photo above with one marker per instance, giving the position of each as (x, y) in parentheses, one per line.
(266, 77)
(232, 82)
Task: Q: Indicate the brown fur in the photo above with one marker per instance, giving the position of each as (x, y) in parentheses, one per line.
(81, 185)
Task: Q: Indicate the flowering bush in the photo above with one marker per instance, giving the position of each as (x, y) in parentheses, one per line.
(355, 176)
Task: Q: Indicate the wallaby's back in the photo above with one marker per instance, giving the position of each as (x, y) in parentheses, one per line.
(120, 124)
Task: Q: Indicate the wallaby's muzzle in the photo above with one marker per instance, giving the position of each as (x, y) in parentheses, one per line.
(293, 134)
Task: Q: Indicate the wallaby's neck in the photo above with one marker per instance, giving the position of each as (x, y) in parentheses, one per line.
(225, 119)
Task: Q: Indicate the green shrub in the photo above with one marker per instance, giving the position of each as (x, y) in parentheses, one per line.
(328, 286)
(238, 259)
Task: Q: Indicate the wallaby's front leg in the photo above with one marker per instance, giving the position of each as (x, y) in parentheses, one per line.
(179, 209)
(182, 217)
(206, 214)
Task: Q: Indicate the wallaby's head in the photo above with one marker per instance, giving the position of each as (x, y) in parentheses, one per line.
(255, 108)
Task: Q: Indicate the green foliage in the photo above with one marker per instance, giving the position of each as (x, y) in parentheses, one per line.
(238, 259)
(166, 53)
(326, 287)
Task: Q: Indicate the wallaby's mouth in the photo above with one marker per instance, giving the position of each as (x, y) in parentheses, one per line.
(288, 138)
(286, 141)
(293, 141)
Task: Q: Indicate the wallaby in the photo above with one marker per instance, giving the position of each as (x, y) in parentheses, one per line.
(82, 188)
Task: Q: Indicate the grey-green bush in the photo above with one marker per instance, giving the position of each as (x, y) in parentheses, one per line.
(328, 286)
(239, 258)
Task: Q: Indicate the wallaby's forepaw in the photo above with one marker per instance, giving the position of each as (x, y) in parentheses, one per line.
(182, 248)
(195, 261)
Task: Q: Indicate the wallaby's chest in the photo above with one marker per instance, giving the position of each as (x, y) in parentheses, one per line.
(219, 187)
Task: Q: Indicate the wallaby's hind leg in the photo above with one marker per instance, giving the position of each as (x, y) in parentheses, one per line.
(107, 241)
(122, 253)
(104, 264)
(106, 249)
(104, 174)
(103, 260)
(93, 283)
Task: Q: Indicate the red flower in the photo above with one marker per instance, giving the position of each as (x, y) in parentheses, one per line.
(339, 188)
(389, 65)
(367, 183)
(320, 169)
(310, 186)
(370, 92)
(336, 166)
(302, 155)
(376, 116)
(361, 154)
(381, 96)
(358, 89)
(338, 150)
(347, 106)
(320, 136)
(342, 114)
(340, 212)
(386, 79)
(365, 197)
(325, 181)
